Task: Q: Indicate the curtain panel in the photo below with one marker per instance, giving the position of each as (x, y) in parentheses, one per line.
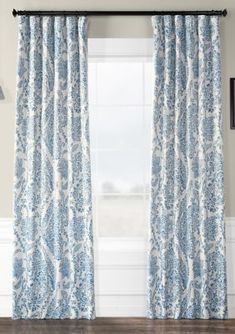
(187, 274)
(53, 258)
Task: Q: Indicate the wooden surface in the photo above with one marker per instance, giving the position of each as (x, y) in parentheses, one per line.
(115, 326)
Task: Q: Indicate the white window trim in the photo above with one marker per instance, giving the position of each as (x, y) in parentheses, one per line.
(124, 47)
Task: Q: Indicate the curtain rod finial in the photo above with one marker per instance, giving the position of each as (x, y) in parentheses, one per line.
(14, 13)
(225, 12)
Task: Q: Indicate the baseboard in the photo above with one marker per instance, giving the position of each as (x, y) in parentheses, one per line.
(120, 271)
(107, 306)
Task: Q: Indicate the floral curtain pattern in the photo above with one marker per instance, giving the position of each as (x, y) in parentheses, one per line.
(187, 274)
(53, 258)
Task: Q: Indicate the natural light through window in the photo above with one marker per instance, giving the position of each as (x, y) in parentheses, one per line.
(120, 133)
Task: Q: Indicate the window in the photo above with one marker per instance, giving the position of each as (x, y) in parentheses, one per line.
(120, 134)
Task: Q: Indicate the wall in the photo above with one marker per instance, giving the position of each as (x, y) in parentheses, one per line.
(105, 27)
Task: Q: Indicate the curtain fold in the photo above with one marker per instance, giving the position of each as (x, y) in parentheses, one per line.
(53, 258)
(187, 272)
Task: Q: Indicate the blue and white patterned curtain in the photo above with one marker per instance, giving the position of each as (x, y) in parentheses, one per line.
(187, 276)
(53, 259)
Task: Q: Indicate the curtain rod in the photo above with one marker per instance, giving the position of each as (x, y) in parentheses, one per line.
(118, 13)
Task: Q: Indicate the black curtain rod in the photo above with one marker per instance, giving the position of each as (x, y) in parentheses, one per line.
(117, 13)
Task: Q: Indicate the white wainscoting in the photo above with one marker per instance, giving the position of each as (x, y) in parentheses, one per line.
(120, 271)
